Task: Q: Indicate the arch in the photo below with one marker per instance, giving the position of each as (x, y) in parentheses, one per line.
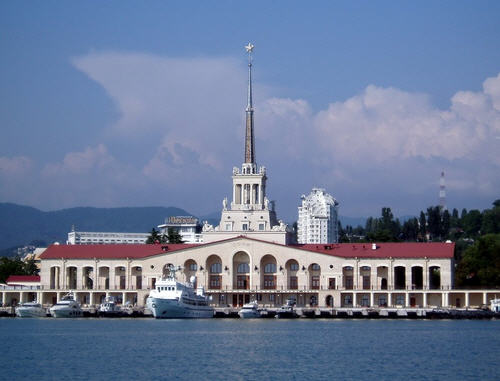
(71, 282)
(314, 276)
(382, 276)
(329, 301)
(241, 270)
(365, 274)
(292, 268)
(120, 277)
(190, 269)
(434, 277)
(268, 273)
(88, 277)
(103, 277)
(55, 277)
(348, 277)
(417, 277)
(137, 277)
(399, 277)
(213, 264)
(166, 269)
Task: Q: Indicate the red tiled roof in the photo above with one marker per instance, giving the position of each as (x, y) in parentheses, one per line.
(345, 250)
(383, 250)
(111, 251)
(22, 279)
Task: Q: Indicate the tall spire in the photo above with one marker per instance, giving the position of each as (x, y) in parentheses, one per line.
(249, 137)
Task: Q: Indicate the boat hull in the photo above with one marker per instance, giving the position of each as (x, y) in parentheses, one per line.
(249, 314)
(173, 309)
(30, 312)
(66, 312)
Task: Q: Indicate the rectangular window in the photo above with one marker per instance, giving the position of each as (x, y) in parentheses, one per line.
(245, 227)
(242, 282)
(215, 282)
(366, 282)
(228, 227)
(294, 285)
(348, 283)
(262, 226)
(269, 282)
(315, 282)
(331, 283)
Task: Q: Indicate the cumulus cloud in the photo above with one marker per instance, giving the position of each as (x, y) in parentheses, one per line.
(180, 130)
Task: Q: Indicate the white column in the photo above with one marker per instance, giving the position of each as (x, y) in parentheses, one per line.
(372, 299)
(425, 299)
(407, 299)
(373, 278)
(467, 299)
(408, 277)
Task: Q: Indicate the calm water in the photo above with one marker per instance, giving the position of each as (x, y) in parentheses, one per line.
(147, 349)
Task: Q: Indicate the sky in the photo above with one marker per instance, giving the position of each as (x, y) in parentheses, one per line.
(130, 103)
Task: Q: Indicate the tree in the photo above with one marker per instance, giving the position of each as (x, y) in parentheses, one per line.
(154, 237)
(472, 223)
(480, 264)
(434, 222)
(491, 220)
(410, 230)
(173, 236)
(16, 266)
(422, 226)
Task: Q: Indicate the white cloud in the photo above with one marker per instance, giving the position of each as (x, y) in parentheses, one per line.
(181, 128)
(15, 166)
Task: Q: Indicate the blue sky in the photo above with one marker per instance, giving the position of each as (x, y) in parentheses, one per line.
(128, 103)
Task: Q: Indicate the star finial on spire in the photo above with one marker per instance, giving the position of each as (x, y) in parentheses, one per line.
(249, 47)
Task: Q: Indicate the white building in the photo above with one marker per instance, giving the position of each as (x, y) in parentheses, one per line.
(186, 226)
(109, 238)
(318, 218)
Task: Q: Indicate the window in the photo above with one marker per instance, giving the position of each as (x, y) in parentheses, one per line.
(271, 297)
(229, 227)
(269, 282)
(315, 282)
(348, 300)
(315, 267)
(243, 268)
(331, 283)
(216, 268)
(193, 267)
(294, 285)
(366, 282)
(400, 300)
(262, 226)
(245, 227)
(294, 267)
(365, 301)
(215, 282)
(270, 268)
(348, 284)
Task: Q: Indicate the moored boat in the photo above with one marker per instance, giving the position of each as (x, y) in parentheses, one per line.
(31, 309)
(67, 307)
(250, 311)
(109, 308)
(287, 311)
(172, 299)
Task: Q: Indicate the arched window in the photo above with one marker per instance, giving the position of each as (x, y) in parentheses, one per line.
(270, 268)
(193, 266)
(243, 268)
(315, 267)
(294, 266)
(216, 268)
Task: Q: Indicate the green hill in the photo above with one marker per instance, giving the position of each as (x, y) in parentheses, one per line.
(20, 225)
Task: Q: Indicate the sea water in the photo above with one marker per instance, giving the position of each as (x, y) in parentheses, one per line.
(227, 349)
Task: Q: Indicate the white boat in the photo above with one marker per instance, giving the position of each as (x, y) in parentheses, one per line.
(109, 308)
(67, 307)
(31, 309)
(175, 300)
(495, 305)
(250, 311)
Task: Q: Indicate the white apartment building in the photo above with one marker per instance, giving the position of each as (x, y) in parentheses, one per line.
(109, 238)
(186, 226)
(318, 218)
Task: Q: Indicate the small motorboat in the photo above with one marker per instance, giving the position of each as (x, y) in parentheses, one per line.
(31, 309)
(287, 311)
(109, 308)
(250, 311)
(67, 307)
